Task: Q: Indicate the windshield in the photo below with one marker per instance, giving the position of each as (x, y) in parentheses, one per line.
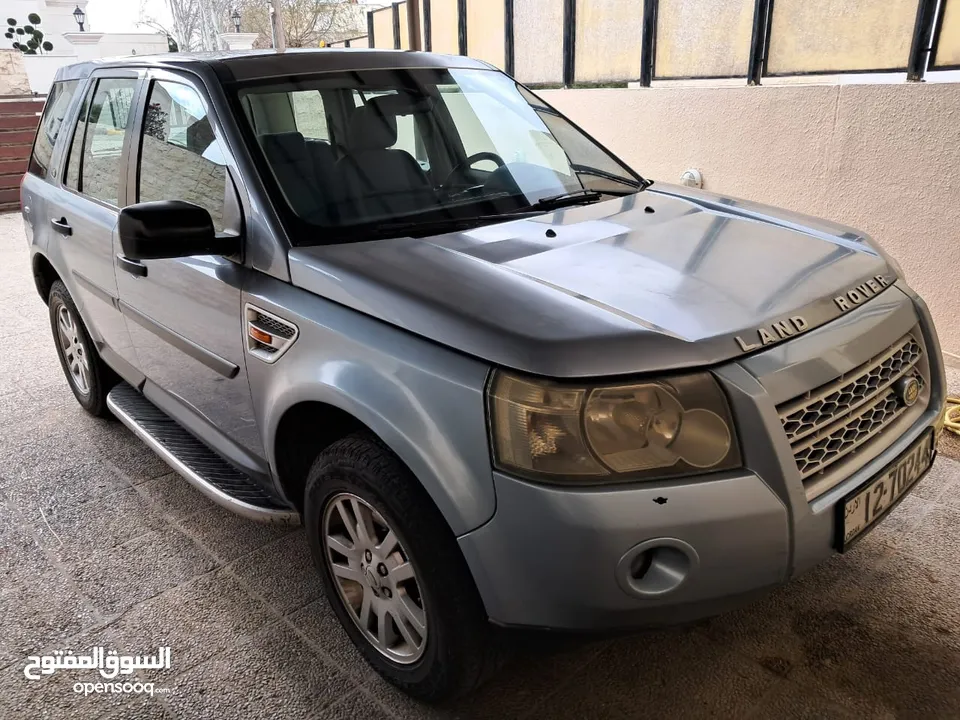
(363, 154)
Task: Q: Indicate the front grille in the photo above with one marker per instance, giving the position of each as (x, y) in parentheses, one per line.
(836, 419)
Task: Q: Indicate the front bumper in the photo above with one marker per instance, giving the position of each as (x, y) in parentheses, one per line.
(557, 557)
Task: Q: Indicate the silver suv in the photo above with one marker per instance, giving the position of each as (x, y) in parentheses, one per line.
(500, 378)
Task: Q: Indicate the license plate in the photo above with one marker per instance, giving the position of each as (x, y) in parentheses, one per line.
(861, 510)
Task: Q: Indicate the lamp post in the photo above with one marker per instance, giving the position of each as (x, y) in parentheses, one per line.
(236, 20)
(79, 15)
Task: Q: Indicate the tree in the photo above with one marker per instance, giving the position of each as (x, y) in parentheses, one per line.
(195, 23)
(305, 22)
(27, 38)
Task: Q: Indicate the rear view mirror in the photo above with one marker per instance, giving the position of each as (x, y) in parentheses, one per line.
(170, 229)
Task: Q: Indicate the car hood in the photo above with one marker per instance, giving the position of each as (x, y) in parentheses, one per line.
(664, 279)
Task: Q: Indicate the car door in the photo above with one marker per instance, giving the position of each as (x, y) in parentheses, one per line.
(185, 314)
(84, 215)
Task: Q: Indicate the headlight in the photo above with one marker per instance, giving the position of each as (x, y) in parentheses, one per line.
(612, 433)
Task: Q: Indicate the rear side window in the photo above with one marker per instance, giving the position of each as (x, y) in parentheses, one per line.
(93, 167)
(58, 102)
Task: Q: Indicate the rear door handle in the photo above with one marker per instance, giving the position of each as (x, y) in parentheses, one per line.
(61, 226)
(134, 267)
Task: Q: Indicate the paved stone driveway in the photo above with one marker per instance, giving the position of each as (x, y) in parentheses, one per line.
(101, 545)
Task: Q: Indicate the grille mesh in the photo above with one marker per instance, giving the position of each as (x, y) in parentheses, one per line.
(836, 419)
(842, 396)
(272, 326)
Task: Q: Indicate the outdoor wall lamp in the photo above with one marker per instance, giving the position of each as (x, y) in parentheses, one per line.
(79, 15)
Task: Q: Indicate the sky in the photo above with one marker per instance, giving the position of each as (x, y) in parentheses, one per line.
(123, 15)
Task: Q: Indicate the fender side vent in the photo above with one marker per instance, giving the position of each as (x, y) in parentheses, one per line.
(268, 336)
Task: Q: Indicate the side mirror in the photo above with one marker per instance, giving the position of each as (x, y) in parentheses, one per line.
(170, 229)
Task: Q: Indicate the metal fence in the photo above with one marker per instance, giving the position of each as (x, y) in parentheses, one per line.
(597, 42)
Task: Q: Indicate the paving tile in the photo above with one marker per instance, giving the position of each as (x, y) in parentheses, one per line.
(132, 459)
(118, 577)
(942, 476)
(143, 707)
(914, 599)
(528, 678)
(197, 620)
(793, 701)
(54, 696)
(321, 626)
(272, 675)
(353, 706)
(946, 478)
(19, 549)
(667, 673)
(765, 630)
(936, 535)
(72, 532)
(174, 497)
(230, 536)
(38, 604)
(282, 573)
(877, 669)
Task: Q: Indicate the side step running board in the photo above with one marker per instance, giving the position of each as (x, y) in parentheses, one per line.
(201, 466)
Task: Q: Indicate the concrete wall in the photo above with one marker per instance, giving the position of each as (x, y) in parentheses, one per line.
(607, 45)
(538, 40)
(884, 158)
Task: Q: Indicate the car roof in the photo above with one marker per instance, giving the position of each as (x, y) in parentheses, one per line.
(254, 64)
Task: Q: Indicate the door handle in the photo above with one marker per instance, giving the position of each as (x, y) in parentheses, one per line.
(134, 267)
(61, 226)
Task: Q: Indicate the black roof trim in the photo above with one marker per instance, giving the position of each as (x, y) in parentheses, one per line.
(255, 64)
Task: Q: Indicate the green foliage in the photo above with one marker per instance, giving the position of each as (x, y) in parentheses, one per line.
(32, 42)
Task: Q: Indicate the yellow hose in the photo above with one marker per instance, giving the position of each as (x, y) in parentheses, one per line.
(951, 415)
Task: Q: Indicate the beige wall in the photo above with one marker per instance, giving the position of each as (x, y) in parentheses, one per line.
(824, 35)
(948, 50)
(884, 158)
(608, 40)
(538, 40)
(404, 27)
(689, 47)
(485, 31)
(383, 28)
(443, 27)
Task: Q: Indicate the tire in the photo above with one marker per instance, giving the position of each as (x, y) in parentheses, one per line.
(459, 649)
(87, 375)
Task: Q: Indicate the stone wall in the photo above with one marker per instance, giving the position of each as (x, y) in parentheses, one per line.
(13, 76)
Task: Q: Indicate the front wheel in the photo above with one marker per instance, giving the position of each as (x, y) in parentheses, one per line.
(393, 572)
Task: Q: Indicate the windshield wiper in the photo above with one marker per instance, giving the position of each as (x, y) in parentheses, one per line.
(575, 197)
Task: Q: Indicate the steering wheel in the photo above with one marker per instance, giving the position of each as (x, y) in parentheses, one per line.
(461, 167)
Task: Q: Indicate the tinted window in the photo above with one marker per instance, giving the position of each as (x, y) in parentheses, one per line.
(309, 114)
(421, 145)
(180, 158)
(93, 167)
(58, 101)
(72, 174)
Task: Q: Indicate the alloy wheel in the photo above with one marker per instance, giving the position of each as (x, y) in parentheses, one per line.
(375, 578)
(74, 352)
